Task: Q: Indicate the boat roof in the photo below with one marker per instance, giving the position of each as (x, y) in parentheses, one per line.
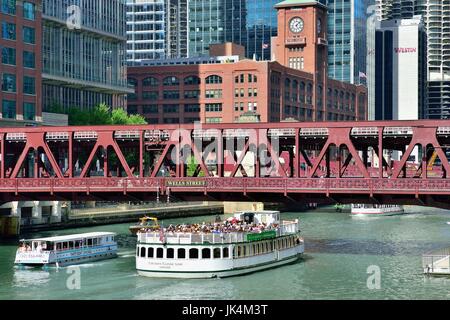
(73, 236)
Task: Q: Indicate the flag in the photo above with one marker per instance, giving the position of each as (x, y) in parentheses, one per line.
(362, 75)
(265, 46)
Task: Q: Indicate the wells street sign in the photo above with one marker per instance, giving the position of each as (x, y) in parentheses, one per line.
(185, 183)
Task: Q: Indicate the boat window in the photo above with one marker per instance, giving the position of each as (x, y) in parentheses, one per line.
(142, 252)
(65, 245)
(181, 253)
(266, 247)
(206, 253)
(270, 246)
(160, 253)
(193, 253)
(244, 249)
(216, 253)
(150, 252)
(137, 251)
(260, 248)
(77, 244)
(225, 253)
(170, 253)
(95, 241)
(70, 245)
(89, 242)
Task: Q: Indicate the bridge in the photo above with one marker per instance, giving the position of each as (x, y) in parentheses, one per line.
(323, 162)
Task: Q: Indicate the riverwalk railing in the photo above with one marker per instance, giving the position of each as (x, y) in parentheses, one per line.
(285, 228)
(437, 262)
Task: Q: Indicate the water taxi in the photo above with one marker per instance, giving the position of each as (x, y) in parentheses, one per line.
(67, 250)
(247, 242)
(376, 209)
(145, 223)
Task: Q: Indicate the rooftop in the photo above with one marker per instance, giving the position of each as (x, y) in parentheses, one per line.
(70, 237)
(288, 3)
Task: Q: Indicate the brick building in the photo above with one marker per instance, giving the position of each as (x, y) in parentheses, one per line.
(294, 85)
(20, 67)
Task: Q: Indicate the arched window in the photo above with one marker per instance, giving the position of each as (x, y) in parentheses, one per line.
(302, 86)
(213, 79)
(225, 253)
(150, 82)
(206, 253)
(142, 252)
(181, 253)
(309, 89)
(216, 253)
(171, 81)
(295, 84)
(287, 83)
(160, 253)
(191, 80)
(193, 253)
(132, 82)
(170, 254)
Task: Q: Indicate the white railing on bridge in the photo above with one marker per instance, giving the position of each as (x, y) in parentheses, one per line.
(443, 131)
(364, 131)
(57, 136)
(282, 132)
(205, 134)
(85, 135)
(157, 135)
(19, 136)
(314, 132)
(127, 134)
(236, 133)
(395, 131)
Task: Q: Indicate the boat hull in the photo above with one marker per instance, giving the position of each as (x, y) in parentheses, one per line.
(218, 274)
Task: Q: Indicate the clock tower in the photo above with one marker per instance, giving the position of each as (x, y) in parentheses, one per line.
(302, 32)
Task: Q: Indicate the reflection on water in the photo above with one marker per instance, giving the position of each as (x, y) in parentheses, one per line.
(26, 277)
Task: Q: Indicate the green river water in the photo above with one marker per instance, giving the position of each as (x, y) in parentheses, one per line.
(339, 249)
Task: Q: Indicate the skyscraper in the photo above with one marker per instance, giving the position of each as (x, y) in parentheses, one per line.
(84, 53)
(347, 40)
(436, 15)
(251, 23)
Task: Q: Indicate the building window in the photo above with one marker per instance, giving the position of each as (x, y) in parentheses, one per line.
(29, 60)
(213, 107)
(29, 35)
(9, 82)
(29, 11)
(191, 94)
(191, 80)
(192, 107)
(213, 120)
(171, 108)
(8, 31)
(150, 108)
(214, 79)
(132, 109)
(150, 95)
(29, 86)
(29, 111)
(252, 78)
(213, 94)
(9, 56)
(9, 109)
(171, 94)
(9, 6)
(131, 82)
(150, 82)
(171, 81)
(171, 120)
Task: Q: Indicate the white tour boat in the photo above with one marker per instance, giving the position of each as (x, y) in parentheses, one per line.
(376, 209)
(247, 242)
(67, 250)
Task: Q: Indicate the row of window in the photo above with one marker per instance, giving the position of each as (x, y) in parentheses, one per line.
(9, 110)
(9, 57)
(174, 81)
(240, 92)
(240, 251)
(9, 84)
(9, 33)
(29, 8)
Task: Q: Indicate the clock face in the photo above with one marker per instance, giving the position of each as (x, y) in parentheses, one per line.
(296, 24)
(319, 26)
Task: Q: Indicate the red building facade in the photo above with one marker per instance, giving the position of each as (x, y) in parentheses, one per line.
(20, 67)
(293, 87)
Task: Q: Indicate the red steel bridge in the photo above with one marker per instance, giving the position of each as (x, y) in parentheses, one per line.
(322, 162)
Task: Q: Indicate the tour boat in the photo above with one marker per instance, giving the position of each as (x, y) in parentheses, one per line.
(247, 242)
(67, 250)
(145, 223)
(376, 209)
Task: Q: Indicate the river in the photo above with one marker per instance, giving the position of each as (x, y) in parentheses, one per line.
(339, 252)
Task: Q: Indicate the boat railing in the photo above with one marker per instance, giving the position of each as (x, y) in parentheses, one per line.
(285, 228)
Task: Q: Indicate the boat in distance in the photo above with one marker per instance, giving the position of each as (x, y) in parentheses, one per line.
(376, 210)
(145, 223)
(67, 250)
(247, 242)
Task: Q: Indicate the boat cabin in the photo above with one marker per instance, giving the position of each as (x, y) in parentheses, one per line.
(257, 217)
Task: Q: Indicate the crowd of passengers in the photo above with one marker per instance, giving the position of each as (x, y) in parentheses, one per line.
(220, 227)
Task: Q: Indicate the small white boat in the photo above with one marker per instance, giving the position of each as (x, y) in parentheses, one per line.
(376, 209)
(248, 242)
(67, 250)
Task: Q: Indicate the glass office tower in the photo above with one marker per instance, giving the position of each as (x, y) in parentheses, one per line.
(347, 40)
(250, 23)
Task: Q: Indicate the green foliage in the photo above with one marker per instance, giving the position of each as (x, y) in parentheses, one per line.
(192, 167)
